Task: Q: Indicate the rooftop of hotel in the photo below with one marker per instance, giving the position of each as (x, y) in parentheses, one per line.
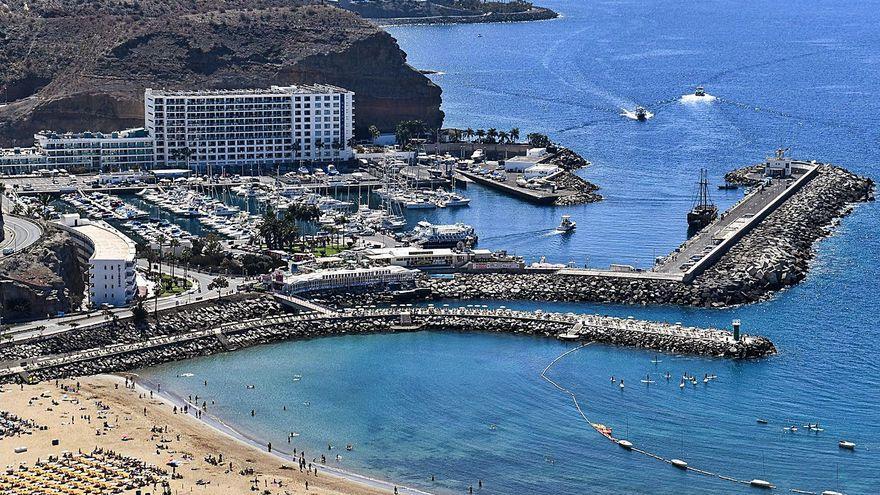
(20, 152)
(274, 90)
(109, 243)
(124, 134)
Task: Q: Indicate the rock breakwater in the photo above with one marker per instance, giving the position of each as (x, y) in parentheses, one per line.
(201, 339)
(774, 255)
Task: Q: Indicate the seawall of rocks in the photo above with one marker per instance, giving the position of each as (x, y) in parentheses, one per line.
(171, 322)
(774, 255)
(197, 329)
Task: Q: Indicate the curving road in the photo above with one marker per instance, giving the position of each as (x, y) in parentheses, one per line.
(20, 233)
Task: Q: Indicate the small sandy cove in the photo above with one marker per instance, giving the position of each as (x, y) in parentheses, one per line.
(102, 412)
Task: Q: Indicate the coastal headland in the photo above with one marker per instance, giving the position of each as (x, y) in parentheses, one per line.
(533, 14)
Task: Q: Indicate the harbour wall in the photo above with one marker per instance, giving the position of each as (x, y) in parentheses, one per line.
(774, 254)
(722, 248)
(184, 334)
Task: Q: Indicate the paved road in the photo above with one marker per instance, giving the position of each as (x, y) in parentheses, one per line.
(199, 292)
(698, 244)
(20, 232)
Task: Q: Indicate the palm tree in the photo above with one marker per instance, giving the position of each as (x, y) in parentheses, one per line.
(491, 134)
(514, 134)
(374, 132)
(469, 134)
(182, 154)
(480, 133)
(503, 137)
(161, 240)
(185, 257)
(319, 143)
(174, 244)
(219, 283)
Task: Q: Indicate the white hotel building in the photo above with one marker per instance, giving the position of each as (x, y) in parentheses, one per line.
(244, 128)
(109, 258)
(131, 149)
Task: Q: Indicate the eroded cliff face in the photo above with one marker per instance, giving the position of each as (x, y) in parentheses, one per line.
(43, 280)
(67, 68)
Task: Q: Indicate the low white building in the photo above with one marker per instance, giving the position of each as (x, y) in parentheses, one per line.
(81, 152)
(536, 153)
(778, 166)
(540, 171)
(109, 255)
(346, 279)
(416, 257)
(520, 163)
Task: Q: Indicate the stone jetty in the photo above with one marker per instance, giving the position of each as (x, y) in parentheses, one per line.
(774, 255)
(125, 345)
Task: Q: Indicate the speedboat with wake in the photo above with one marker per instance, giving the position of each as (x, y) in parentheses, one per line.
(566, 225)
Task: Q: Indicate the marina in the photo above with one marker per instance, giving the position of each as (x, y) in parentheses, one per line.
(333, 306)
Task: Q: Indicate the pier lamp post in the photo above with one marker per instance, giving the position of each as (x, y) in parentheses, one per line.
(736, 325)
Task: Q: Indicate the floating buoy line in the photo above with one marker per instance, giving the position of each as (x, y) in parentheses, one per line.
(628, 445)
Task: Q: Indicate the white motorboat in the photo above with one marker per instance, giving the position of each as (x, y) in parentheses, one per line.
(625, 444)
(680, 464)
(846, 445)
(566, 225)
(757, 483)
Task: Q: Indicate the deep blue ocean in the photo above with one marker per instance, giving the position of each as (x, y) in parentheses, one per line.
(799, 74)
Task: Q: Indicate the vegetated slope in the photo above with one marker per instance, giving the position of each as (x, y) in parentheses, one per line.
(72, 65)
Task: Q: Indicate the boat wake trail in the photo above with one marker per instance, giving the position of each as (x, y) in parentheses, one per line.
(791, 116)
(515, 235)
(607, 433)
(733, 70)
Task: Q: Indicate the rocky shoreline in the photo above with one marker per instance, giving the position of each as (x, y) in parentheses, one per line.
(775, 255)
(535, 14)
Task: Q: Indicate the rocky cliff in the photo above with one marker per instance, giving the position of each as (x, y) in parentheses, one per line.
(74, 66)
(42, 280)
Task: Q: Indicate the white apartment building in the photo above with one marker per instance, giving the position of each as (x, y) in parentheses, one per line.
(109, 255)
(83, 151)
(281, 125)
(121, 150)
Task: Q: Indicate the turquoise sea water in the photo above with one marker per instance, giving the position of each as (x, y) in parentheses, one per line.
(801, 74)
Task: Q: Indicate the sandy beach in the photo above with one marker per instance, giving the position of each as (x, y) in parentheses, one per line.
(101, 412)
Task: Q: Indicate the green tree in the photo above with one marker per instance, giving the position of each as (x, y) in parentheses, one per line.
(537, 140)
(480, 135)
(514, 134)
(218, 284)
(374, 132)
